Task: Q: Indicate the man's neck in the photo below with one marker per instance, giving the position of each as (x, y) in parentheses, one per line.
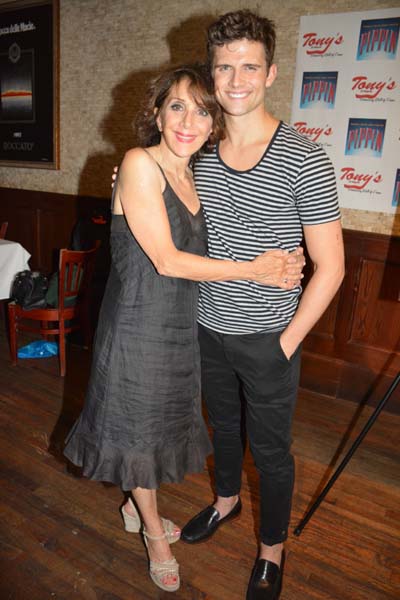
(246, 140)
(248, 130)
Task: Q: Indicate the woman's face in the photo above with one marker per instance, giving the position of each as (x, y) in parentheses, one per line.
(184, 124)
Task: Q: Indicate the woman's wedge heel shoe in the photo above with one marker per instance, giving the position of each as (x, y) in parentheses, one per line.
(160, 570)
(133, 524)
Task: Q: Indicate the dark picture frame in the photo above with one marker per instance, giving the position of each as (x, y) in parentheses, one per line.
(29, 84)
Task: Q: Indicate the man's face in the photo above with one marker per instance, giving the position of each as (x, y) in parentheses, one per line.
(241, 77)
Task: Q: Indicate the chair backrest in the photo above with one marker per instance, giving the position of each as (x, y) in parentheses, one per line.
(75, 275)
(3, 230)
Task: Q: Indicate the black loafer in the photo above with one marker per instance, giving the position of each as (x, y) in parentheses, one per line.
(203, 525)
(266, 580)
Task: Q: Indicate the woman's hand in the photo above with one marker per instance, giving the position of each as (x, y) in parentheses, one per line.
(279, 268)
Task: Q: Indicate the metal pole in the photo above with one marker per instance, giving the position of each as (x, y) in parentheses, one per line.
(348, 456)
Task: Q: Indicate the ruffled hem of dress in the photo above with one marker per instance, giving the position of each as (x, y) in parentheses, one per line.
(138, 466)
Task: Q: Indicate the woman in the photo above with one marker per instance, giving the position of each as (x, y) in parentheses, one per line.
(141, 424)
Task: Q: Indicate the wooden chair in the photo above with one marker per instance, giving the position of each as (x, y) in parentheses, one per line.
(3, 230)
(74, 281)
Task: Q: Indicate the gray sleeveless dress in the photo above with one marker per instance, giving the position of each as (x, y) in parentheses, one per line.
(141, 424)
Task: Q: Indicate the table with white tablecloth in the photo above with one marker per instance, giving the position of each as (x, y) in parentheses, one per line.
(13, 258)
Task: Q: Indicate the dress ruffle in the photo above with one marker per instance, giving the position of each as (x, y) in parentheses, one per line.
(138, 465)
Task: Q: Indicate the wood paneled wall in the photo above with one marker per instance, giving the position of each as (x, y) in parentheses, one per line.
(42, 221)
(354, 350)
(352, 353)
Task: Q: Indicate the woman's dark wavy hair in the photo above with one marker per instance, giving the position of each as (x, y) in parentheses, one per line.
(239, 25)
(202, 88)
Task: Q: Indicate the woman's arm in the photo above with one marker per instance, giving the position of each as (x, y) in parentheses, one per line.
(139, 191)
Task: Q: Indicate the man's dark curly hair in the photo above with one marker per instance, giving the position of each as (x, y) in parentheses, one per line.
(239, 25)
(202, 88)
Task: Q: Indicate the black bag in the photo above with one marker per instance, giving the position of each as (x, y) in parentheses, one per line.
(29, 289)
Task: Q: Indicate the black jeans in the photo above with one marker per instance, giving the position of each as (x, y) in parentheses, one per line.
(256, 364)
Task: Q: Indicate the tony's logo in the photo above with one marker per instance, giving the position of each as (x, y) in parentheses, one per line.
(364, 88)
(358, 181)
(312, 133)
(320, 45)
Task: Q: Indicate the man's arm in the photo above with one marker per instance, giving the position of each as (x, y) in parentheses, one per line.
(325, 247)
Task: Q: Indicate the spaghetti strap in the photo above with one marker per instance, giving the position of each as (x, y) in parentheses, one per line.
(158, 165)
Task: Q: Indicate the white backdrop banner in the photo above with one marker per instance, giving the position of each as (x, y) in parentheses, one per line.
(347, 98)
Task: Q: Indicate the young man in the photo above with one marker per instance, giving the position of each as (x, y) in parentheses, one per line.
(264, 186)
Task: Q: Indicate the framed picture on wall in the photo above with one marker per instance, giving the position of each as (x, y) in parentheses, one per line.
(29, 84)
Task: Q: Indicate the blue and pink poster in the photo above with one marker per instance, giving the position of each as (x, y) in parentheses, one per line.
(347, 99)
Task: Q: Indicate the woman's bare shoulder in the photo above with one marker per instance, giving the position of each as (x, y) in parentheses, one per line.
(137, 157)
(139, 168)
(139, 162)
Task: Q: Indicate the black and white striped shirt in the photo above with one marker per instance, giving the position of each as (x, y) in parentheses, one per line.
(249, 212)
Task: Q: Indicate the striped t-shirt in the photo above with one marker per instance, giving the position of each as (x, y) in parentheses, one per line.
(249, 212)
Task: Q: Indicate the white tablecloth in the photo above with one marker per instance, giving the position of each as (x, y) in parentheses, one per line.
(13, 258)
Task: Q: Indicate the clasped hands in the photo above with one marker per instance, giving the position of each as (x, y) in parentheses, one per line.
(280, 268)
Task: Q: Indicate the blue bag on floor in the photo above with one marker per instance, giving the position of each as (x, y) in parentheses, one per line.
(39, 349)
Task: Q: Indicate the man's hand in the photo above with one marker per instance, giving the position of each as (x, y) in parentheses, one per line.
(114, 176)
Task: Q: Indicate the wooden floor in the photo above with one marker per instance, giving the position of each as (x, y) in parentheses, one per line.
(61, 535)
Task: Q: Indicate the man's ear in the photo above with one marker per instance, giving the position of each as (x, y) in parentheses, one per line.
(272, 73)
